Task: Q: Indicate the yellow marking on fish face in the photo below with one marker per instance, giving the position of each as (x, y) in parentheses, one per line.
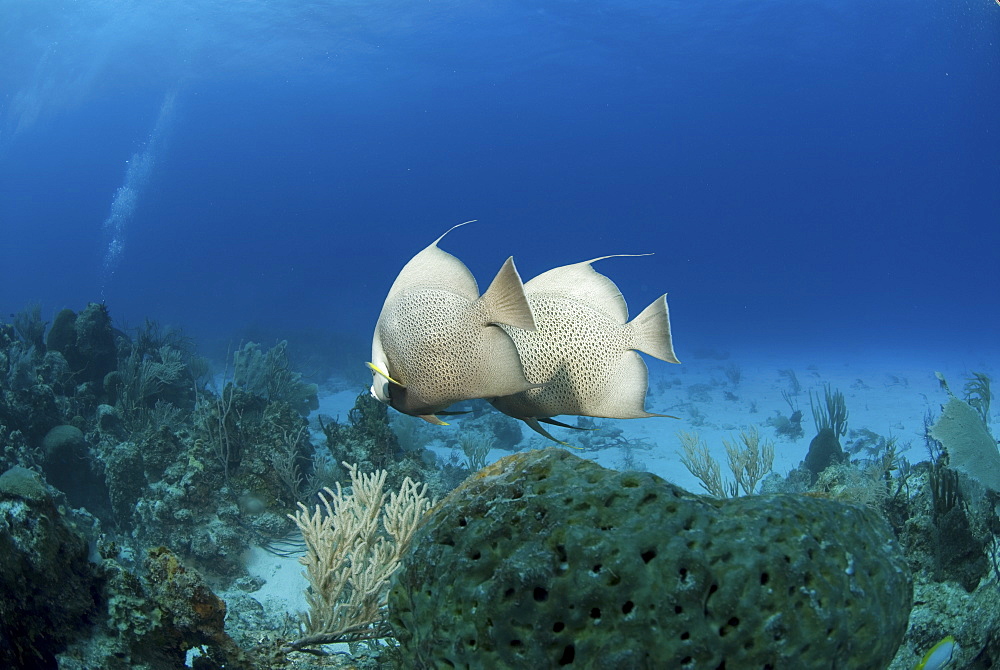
(377, 370)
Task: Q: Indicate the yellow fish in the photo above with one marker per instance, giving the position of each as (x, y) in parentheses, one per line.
(943, 653)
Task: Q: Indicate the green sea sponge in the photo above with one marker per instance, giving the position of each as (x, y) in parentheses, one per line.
(548, 560)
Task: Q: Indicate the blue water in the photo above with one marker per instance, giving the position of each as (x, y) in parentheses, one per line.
(810, 175)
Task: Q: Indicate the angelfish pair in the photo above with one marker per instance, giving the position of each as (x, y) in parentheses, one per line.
(561, 344)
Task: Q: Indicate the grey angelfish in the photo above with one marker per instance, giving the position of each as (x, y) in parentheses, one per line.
(582, 356)
(438, 342)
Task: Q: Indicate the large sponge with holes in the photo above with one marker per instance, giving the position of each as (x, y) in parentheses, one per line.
(546, 560)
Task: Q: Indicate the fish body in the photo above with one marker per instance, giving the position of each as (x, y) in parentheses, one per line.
(438, 342)
(940, 655)
(582, 355)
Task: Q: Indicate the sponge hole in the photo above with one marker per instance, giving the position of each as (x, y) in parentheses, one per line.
(567, 656)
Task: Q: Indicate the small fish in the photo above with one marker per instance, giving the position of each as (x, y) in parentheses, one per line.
(582, 356)
(438, 342)
(941, 654)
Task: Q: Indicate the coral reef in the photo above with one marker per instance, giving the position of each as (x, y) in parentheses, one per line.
(63, 609)
(130, 470)
(946, 522)
(824, 451)
(159, 616)
(50, 589)
(126, 426)
(268, 375)
(967, 439)
(86, 341)
(367, 438)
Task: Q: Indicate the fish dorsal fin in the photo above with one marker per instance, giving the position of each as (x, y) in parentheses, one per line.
(504, 301)
(457, 225)
(580, 281)
(434, 268)
(652, 331)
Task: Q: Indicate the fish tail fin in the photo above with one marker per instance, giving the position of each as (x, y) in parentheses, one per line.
(652, 331)
(505, 300)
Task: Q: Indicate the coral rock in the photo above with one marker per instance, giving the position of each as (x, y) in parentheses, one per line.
(547, 560)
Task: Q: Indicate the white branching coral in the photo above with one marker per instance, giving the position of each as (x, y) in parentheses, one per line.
(749, 460)
(354, 543)
(698, 460)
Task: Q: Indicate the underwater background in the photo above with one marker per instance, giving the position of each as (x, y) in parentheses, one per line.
(204, 204)
(809, 175)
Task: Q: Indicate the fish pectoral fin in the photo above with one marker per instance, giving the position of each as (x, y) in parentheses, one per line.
(537, 427)
(553, 422)
(454, 412)
(430, 418)
(377, 370)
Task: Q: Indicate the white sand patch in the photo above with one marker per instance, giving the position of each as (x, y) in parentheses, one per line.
(284, 586)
